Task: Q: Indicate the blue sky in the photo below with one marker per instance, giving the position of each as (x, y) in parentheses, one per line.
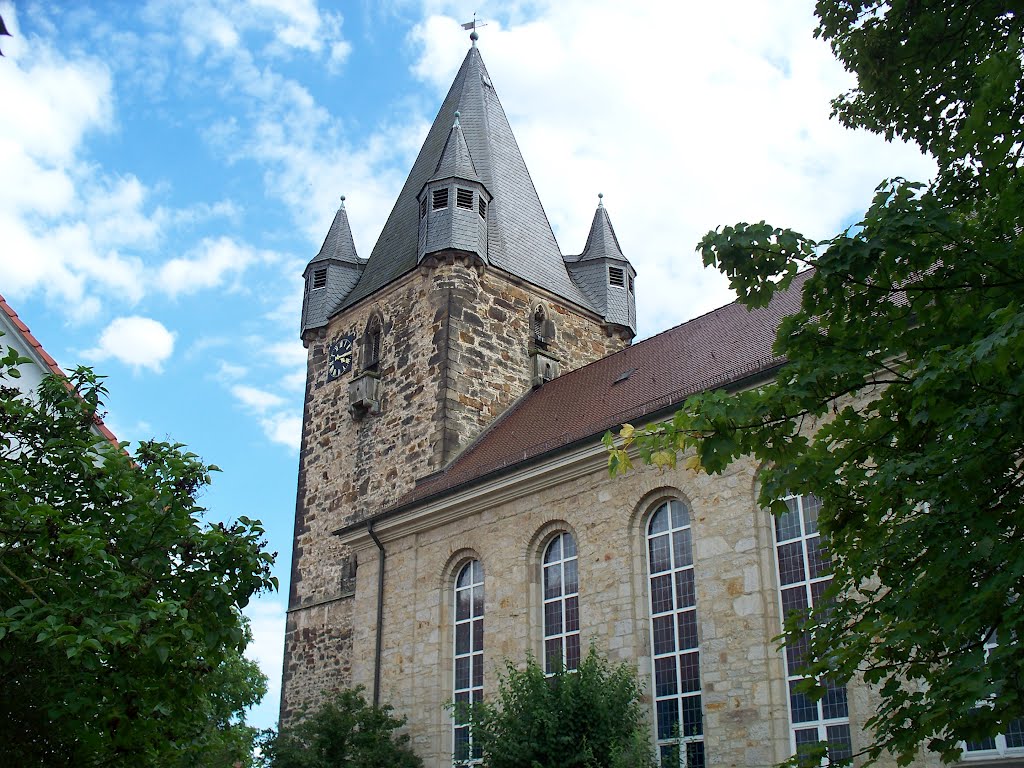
(169, 166)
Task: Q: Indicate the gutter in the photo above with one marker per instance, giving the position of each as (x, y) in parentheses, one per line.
(380, 614)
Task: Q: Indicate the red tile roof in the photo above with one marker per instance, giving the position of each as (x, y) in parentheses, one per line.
(47, 360)
(723, 347)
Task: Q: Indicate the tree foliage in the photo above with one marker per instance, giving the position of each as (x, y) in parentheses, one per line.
(120, 626)
(902, 402)
(587, 718)
(345, 732)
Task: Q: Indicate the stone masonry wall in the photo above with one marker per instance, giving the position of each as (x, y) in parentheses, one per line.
(454, 355)
(489, 341)
(744, 692)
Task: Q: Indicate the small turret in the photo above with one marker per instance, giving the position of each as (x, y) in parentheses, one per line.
(331, 274)
(604, 274)
(453, 204)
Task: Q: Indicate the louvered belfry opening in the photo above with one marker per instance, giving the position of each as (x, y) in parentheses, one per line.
(320, 278)
(616, 276)
(440, 198)
(464, 198)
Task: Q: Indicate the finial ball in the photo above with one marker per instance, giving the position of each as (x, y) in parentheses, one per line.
(458, 114)
(343, 198)
(600, 195)
(474, 36)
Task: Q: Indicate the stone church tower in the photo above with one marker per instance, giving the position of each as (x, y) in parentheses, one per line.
(465, 304)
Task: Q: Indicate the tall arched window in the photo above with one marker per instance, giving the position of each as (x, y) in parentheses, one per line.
(468, 688)
(371, 344)
(805, 571)
(561, 605)
(674, 647)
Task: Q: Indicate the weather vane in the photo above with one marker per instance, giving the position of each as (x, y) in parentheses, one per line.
(474, 25)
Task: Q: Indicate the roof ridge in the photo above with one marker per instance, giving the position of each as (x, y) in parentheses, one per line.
(29, 338)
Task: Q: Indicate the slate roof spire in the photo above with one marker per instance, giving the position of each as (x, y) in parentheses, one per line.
(604, 274)
(454, 204)
(520, 240)
(602, 242)
(332, 273)
(456, 161)
(339, 243)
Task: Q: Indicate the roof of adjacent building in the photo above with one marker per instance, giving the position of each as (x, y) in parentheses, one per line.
(725, 347)
(44, 360)
(520, 240)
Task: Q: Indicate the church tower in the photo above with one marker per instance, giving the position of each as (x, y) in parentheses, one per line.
(465, 304)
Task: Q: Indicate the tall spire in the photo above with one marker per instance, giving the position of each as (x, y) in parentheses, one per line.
(520, 240)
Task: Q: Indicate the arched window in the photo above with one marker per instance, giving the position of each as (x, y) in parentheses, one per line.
(561, 605)
(371, 344)
(805, 571)
(468, 687)
(674, 647)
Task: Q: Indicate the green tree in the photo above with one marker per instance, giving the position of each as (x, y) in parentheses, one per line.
(588, 718)
(902, 402)
(225, 739)
(345, 732)
(120, 626)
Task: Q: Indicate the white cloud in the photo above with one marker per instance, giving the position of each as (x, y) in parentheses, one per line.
(339, 55)
(255, 399)
(298, 22)
(288, 353)
(729, 122)
(277, 418)
(72, 231)
(284, 428)
(213, 262)
(138, 342)
(223, 27)
(227, 372)
(267, 617)
(58, 101)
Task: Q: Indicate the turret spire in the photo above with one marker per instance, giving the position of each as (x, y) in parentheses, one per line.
(603, 272)
(332, 273)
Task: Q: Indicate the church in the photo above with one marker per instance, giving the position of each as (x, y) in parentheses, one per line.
(454, 507)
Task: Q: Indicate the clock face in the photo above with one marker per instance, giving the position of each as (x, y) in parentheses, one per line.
(339, 357)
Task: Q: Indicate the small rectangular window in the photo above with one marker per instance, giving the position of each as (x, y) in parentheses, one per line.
(423, 207)
(482, 207)
(440, 199)
(464, 198)
(320, 278)
(616, 276)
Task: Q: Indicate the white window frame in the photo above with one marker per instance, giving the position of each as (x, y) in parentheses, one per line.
(472, 653)
(1001, 748)
(562, 600)
(809, 539)
(680, 564)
